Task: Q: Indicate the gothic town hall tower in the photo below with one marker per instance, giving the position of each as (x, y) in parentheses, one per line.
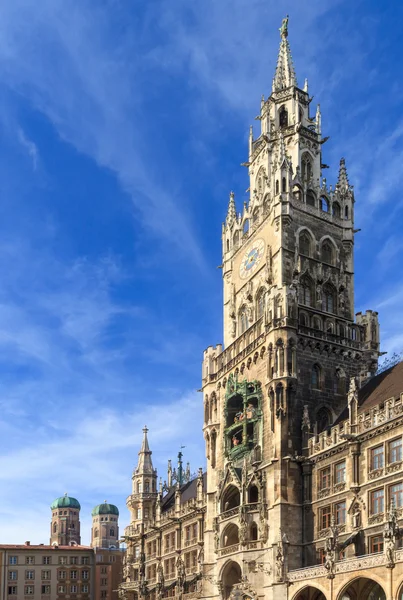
(291, 344)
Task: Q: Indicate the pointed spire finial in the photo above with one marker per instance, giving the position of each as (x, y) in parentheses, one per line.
(284, 76)
(144, 464)
(231, 213)
(342, 181)
(306, 85)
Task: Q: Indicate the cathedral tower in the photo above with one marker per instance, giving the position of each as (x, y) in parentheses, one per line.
(291, 342)
(65, 524)
(105, 526)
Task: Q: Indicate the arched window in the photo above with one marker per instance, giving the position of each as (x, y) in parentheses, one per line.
(243, 320)
(231, 498)
(305, 244)
(302, 319)
(305, 292)
(346, 212)
(206, 410)
(277, 187)
(236, 239)
(328, 299)
(253, 531)
(284, 185)
(336, 210)
(112, 532)
(227, 245)
(296, 190)
(139, 513)
(315, 377)
(96, 533)
(342, 331)
(139, 488)
(324, 204)
(260, 304)
(317, 324)
(283, 117)
(213, 448)
(323, 419)
(54, 527)
(146, 486)
(306, 167)
(327, 253)
(255, 215)
(246, 226)
(253, 494)
(310, 198)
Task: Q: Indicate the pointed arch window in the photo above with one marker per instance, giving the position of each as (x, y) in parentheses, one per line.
(284, 185)
(302, 319)
(296, 190)
(146, 486)
(306, 167)
(305, 244)
(327, 253)
(54, 527)
(236, 239)
(324, 204)
(346, 212)
(315, 377)
(277, 187)
(336, 210)
(139, 488)
(323, 419)
(310, 198)
(283, 117)
(328, 299)
(243, 320)
(305, 292)
(112, 532)
(246, 226)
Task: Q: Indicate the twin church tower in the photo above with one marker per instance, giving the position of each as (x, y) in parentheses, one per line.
(291, 346)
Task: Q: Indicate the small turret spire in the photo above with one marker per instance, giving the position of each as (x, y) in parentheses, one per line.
(284, 76)
(144, 464)
(231, 213)
(342, 181)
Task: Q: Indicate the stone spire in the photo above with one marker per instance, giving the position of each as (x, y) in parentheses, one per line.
(144, 464)
(342, 182)
(284, 76)
(231, 213)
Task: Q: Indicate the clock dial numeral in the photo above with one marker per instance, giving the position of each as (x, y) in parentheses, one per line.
(251, 259)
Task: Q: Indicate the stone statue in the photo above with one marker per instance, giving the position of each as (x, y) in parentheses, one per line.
(160, 575)
(216, 542)
(200, 557)
(356, 517)
(279, 562)
(284, 27)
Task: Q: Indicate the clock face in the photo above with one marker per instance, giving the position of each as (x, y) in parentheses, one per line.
(251, 259)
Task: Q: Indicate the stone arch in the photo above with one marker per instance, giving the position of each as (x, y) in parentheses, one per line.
(260, 181)
(306, 166)
(231, 574)
(309, 592)
(329, 298)
(230, 535)
(306, 232)
(297, 191)
(306, 290)
(323, 418)
(235, 239)
(324, 203)
(283, 117)
(336, 209)
(362, 587)
(329, 240)
(231, 498)
(399, 595)
(253, 494)
(310, 198)
(260, 302)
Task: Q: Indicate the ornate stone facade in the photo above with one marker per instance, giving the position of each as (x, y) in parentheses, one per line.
(283, 510)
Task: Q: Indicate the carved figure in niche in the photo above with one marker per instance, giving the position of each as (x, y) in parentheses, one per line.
(250, 411)
(181, 571)
(233, 327)
(319, 295)
(342, 299)
(249, 313)
(243, 527)
(356, 517)
(390, 552)
(330, 557)
(269, 266)
(279, 562)
(216, 541)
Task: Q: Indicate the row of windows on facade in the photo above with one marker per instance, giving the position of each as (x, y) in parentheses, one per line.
(147, 487)
(29, 590)
(65, 512)
(375, 545)
(190, 560)
(391, 451)
(394, 493)
(111, 532)
(47, 560)
(337, 329)
(13, 575)
(105, 519)
(64, 527)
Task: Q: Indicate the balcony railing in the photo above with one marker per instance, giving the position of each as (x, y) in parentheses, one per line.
(229, 549)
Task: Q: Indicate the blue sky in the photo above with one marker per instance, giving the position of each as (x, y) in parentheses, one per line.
(122, 128)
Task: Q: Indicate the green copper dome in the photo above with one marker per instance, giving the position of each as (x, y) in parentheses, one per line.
(65, 502)
(105, 509)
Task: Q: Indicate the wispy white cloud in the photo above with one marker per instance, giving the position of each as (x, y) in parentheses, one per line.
(30, 147)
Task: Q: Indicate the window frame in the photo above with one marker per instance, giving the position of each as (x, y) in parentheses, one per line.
(377, 502)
